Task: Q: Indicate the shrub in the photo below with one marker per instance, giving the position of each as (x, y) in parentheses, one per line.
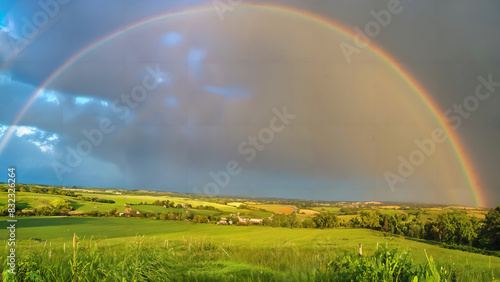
(385, 265)
(200, 219)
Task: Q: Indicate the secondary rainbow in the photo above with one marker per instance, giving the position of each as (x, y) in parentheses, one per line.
(479, 195)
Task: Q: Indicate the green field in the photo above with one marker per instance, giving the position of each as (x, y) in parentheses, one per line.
(26, 200)
(146, 247)
(232, 248)
(327, 209)
(59, 230)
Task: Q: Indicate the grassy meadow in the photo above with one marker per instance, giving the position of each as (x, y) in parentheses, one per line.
(227, 251)
(27, 200)
(121, 248)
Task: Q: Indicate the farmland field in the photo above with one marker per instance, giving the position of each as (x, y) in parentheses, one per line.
(308, 212)
(246, 247)
(271, 208)
(133, 238)
(328, 209)
(32, 200)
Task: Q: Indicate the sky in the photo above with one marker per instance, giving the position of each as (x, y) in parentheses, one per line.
(234, 98)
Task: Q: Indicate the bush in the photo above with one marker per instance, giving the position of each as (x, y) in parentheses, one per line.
(326, 220)
(349, 211)
(94, 213)
(61, 205)
(45, 210)
(200, 219)
(4, 211)
(385, 265)
(308, 223)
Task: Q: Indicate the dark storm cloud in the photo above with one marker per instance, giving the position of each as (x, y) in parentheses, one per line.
(220, 84)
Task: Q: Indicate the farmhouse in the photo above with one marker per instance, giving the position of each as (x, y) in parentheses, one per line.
(129, 211)
(242, 219)
(256, 220)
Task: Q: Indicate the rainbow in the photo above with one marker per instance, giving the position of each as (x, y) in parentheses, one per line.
(479, 195)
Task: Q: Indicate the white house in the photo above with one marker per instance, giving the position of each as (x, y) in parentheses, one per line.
(256, 220)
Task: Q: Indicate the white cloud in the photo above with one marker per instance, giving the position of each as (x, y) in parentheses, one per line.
(3, 130)
(24, 130)
(49, 96)
(45, 141)
(83, 100)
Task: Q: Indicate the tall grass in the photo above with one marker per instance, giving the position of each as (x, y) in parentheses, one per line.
(203, 259)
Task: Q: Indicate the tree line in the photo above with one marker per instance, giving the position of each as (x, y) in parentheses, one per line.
(57, 191)
(452, 227)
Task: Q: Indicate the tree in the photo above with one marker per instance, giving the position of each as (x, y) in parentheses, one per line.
(349, 211)
(280, 220)
(233, 219)
(490, 232)
(415, 229)
(432, 231)
(4, 211)
(112, 212)
(61, 205)
(308, 223)
(172, 216)
(326, 220)
(267, 222)
(187, 215)
(354, 222)
(292, 220)
(456, 227)
(200, 219)
(384, 222)
(46, 210)
(369, 219)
